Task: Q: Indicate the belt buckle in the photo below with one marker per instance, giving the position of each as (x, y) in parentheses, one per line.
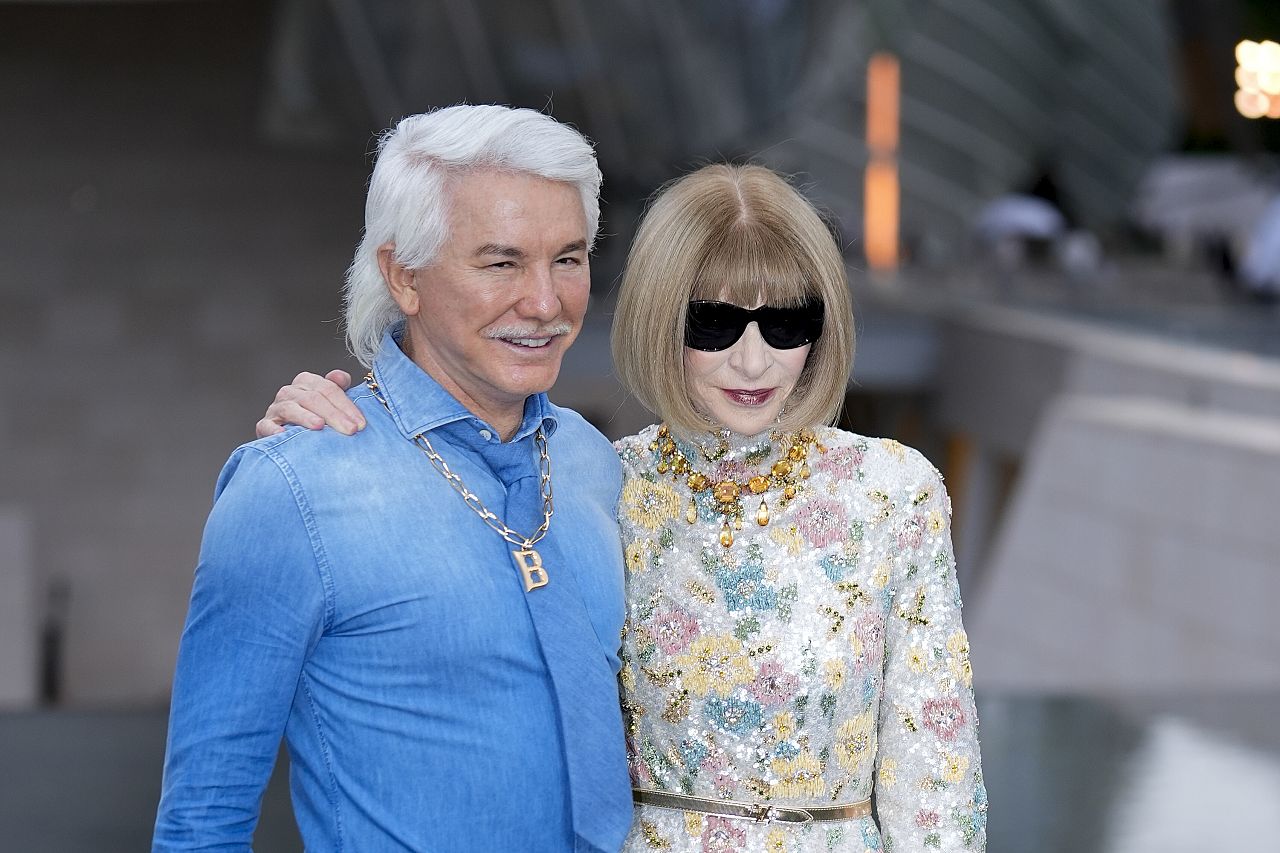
(765, 813)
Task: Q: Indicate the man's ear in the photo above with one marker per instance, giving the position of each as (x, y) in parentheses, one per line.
(400, 280)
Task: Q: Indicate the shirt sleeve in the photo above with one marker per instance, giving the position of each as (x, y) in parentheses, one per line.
(257, 608)
(929, 788)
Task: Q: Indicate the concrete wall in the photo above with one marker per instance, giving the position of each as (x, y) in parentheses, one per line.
(1139, 552)
(18, 612)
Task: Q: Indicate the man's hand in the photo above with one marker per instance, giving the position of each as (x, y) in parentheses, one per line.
(313, 402)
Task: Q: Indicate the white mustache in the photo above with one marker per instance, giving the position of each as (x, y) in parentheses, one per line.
(548, 331)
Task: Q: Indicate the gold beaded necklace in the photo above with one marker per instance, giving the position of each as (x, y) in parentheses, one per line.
(784, 475)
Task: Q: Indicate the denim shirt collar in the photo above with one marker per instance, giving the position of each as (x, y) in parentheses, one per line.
(419, 404)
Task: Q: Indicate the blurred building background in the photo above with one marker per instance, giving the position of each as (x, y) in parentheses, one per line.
(1074, 314)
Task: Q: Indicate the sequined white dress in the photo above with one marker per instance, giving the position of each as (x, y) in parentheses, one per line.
(812, 656)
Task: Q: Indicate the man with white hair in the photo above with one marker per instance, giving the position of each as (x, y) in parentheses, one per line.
(428, 613)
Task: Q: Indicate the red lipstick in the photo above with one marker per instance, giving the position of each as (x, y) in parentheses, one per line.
(749, 397)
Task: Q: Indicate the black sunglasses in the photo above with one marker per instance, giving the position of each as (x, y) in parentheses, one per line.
(714, 326)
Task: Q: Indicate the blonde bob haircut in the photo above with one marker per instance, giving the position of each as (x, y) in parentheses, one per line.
(737, 234)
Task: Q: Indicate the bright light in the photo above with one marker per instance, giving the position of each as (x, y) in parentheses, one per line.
(881, 194)
(1258, 79)
(1251, 104)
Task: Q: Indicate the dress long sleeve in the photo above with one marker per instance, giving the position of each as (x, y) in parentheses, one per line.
(929, 787)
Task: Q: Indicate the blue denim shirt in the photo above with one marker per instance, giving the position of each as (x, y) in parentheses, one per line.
(348, 600)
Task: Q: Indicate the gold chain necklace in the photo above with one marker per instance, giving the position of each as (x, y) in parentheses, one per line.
(783, 474)
(528, 561)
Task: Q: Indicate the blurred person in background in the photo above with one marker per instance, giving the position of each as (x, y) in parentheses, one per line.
(425, 636)
(793, 629)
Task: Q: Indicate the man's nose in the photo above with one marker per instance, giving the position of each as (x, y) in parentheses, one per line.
(541, 298)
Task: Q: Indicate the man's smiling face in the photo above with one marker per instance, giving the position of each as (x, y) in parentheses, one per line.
(491, 317)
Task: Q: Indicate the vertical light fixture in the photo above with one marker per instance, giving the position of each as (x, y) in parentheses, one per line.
(1258, 79)
(881, 194)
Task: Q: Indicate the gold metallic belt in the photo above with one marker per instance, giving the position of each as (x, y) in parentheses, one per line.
(759, 812)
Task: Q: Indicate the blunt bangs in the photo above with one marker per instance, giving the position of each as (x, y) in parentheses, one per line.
(753, 265)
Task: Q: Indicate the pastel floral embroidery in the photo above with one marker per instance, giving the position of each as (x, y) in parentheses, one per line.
(743, 584)
(833, 674)
(693, 823)
(944, 717)
(784, 725)
(974, 820)
(869, 628)
(881, 576)
(788, 537)
(692, 753)
(822, 521)
(958, 646)
(841, 463)
(895, 449)
(835, 566)
(673, 630)
(888, 772)
(773, 685)
(738, 716)
(936, 522)
(954, 767)
(775, 841)
(650, 504)
(798, 777)
(916, 660)
(635, 556)
(722, 836)
(912, 533)
(855, 741)
(716, 663)
(927, 819)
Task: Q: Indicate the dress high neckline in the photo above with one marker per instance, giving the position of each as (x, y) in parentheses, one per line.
(726, 447)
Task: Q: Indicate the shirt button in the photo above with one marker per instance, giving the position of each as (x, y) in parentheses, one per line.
(485, 434)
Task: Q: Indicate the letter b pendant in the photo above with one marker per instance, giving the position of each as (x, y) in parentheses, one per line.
(529, 562)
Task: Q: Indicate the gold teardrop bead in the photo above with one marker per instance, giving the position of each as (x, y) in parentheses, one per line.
(804, 472)
(691, 514)
(762, 514)
(737, 524)
(662, 467)
(726, 535)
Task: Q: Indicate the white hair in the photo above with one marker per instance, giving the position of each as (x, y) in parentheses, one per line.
(408, 202)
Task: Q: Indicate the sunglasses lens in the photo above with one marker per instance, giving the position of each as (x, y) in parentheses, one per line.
(788, 328)
(713, 326)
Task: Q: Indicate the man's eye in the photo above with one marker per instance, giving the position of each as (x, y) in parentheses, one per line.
(570, 261)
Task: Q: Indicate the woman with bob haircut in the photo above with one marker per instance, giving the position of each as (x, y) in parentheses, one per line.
(793, 634)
